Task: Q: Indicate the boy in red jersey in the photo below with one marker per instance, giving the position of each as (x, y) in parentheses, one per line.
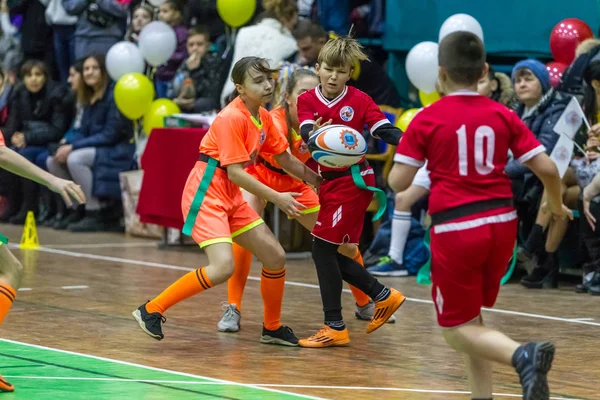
(465, 138)
(343, 203)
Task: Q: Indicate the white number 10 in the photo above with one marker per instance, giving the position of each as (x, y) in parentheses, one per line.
(482, 166)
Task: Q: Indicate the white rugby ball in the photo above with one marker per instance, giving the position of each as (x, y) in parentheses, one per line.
(337, 146)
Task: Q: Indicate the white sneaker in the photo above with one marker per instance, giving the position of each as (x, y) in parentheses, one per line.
(230, 321)
(365, 312)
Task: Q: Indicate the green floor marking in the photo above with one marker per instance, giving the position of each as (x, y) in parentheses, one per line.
(44, 373)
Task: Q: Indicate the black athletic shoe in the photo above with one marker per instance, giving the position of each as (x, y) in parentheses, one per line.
(283, 336)
(151, 323)
(532, 362)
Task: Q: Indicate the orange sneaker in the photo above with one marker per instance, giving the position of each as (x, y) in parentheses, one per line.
(385, 309)
(326, 337)
(5, 386)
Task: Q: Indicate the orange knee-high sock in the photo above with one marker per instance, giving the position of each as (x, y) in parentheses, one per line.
(242, 261)
(271, 289)
(188, 285)
(7, 296)
(361, 298)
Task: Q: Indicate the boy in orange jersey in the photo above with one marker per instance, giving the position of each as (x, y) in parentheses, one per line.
(345, 193)
(11, 270)
(268, 172)
(216, 213)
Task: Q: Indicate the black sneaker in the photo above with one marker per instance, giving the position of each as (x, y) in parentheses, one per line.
(532, 362)
(151, 323)
(283, 336)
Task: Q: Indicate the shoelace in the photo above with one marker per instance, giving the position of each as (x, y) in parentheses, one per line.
(228, 313)
(322, 332)
(154, 318)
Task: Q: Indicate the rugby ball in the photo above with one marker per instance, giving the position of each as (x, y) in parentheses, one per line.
(337, 146)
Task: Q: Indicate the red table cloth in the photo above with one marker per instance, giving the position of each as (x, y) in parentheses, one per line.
(169, 157)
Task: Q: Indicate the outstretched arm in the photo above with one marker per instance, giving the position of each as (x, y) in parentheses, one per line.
(297, 168)
(17, 164)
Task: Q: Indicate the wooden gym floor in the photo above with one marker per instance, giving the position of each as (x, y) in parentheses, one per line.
(70, 334)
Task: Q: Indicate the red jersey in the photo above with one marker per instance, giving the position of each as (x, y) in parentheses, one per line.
(465, 138)
(352, 108)
(2, 139)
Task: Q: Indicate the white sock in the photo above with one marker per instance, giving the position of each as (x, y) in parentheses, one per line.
(400, 231)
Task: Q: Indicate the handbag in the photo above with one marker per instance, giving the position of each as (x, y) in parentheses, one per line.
(98, 16)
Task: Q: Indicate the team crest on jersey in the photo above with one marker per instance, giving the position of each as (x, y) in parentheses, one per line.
(263, 136)
(346, 113)
(349, 139)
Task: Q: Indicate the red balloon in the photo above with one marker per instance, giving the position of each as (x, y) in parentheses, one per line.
(565, 37)
(556, 69)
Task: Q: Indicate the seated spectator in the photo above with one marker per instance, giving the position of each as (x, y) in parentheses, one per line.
(142, 16)
(198, 81)
(271, 38)
(368, 75)
(100, 24)
(170, 13)
(5, 92)
(99, 152)
(36, 119)
(540, 107)
(498, 87)
(60, 215)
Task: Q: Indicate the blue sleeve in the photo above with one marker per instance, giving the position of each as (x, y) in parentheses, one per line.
(74, 7)
(111, 132)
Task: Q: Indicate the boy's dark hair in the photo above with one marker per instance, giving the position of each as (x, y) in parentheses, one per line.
(175, 5)
(462, 55)
(311, 29)
(199, 30)
(29, 65)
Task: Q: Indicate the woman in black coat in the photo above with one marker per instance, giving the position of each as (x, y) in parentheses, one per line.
(36, 119)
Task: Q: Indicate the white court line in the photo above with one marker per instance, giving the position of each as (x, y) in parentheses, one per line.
(101, 245)
(582, 319)
(74, 287)
(221, 381)
(290, 283)
(24, 289)
(363, 388)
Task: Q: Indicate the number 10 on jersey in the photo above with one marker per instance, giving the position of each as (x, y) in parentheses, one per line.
(484, 163)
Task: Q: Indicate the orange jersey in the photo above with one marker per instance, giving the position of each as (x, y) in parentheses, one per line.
(298, 148)
(235, 136)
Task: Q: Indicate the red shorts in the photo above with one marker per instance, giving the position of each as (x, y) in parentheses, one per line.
(343, 208)
(469, 257)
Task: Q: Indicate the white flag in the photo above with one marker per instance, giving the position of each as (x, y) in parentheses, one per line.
(561, 155)
(570, 120)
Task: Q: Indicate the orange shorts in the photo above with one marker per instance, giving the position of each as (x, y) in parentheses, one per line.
(224, 214)
(285, 183)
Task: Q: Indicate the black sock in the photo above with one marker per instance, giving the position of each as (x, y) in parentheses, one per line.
(330, 279)
(535, 239)
(357, 276)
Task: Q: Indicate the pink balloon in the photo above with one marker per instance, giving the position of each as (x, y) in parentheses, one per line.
(565, 37)
(556, 69)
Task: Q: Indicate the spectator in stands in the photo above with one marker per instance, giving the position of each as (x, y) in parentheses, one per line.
(36, 119)
(367, 76)
(63, 216)
(170, 12)
(271, 38)
(540, 108)
(589, 181)
(142, 16)
(5, 92)
(100, 24)
(498, 87)
(63, 33)
(198, 81)
(99, 152)
(204, 13)
(36, 34)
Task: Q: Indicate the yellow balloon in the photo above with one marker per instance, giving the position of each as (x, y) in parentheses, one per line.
(133, 94)
(428, 98)
(236, 13)
(405, 118)
(155, 117)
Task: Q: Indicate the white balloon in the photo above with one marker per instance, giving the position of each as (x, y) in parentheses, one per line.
(422, 66)
(461, 22)
(157, 42)
(124, 58)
